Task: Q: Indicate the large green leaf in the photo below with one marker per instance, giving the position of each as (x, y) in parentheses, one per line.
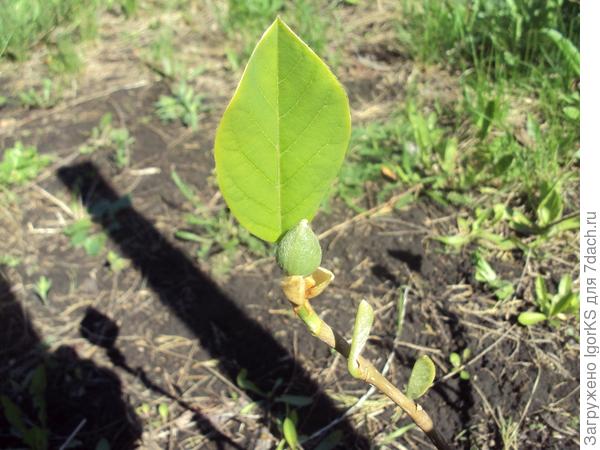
(283, 136)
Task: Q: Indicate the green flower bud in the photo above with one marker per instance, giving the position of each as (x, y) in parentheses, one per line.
(299, 251)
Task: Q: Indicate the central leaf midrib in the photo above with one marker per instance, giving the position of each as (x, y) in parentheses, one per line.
(278, 139)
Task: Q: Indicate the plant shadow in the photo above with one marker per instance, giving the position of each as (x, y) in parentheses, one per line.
(223, 329)
(49, 399)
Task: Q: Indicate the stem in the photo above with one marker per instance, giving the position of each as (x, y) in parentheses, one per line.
(370, 374)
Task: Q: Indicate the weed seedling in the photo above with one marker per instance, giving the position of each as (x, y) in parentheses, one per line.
(33, 431)
(104, 135)
(279, 146)
(100, 136)
(21, 164)
(552, 307)
(218, 237)
(115, 262)
(45, 97)
(42, 287)
(484, 273)
(182, 105)
(81, 234)
(122, 142)
(457, 360)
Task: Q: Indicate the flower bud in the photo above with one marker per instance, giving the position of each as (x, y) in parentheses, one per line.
(299, 251)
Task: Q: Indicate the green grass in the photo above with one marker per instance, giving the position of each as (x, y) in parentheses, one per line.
(182, 105)
(58, 24)
(511, 142)
(21, 164)
(219, 239)
(244, 21)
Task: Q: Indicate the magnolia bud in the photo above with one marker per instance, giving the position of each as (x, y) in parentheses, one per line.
(298, 251)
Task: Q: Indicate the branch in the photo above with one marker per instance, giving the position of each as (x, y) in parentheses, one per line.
(299, 290)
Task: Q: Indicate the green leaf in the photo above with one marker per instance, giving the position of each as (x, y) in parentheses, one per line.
(103, 444)
(571, 112)
(244, 383)
(13, 414)
(331, 441)
(566, 47)
(528, 318)
(421, 377)
(289, 433)
(388, 439)
(360, 336)
(541, 293)
(457, 240)
(294, 400)
(163, 411)
(484, 272)
(94, 244)
(283, 136)
(550, 208)
(455, 359)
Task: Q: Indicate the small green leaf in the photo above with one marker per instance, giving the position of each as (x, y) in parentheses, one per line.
(244, 383)
(163, 411)
(362, 328)
(13, 414)
(541, 293)
(289, 433)
(455, 359)
(421, 377)
(103, 444)
(283, 137)
(398, 433)
(550, 208)
(571, 112)
(331, 441)
(464, 375)
(294, 400)
(484, 272)
(529, 318)
(566, 47)
(42, 288)
(94, 244)
(455, 241)
(249, 407)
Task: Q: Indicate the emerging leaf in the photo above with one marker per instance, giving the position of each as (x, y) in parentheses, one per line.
(283, 137)
(289, 433)
(421, 377)
(360, 336)
(529, 318)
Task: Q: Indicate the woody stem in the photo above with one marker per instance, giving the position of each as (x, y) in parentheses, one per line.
(369, 373)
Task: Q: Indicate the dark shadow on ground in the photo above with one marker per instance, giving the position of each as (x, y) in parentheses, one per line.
(412, 260)
(52, 394)
(223, 329)
(102, 331)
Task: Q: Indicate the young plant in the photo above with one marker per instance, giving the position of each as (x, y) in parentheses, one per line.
(42, 288)
(484, 273)
(81, 234)
(457, 360)
(46, 97)
(21, 164)
(280, 144)
(32, 431)
(122, 141)
(552, 307)
(183, 104)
